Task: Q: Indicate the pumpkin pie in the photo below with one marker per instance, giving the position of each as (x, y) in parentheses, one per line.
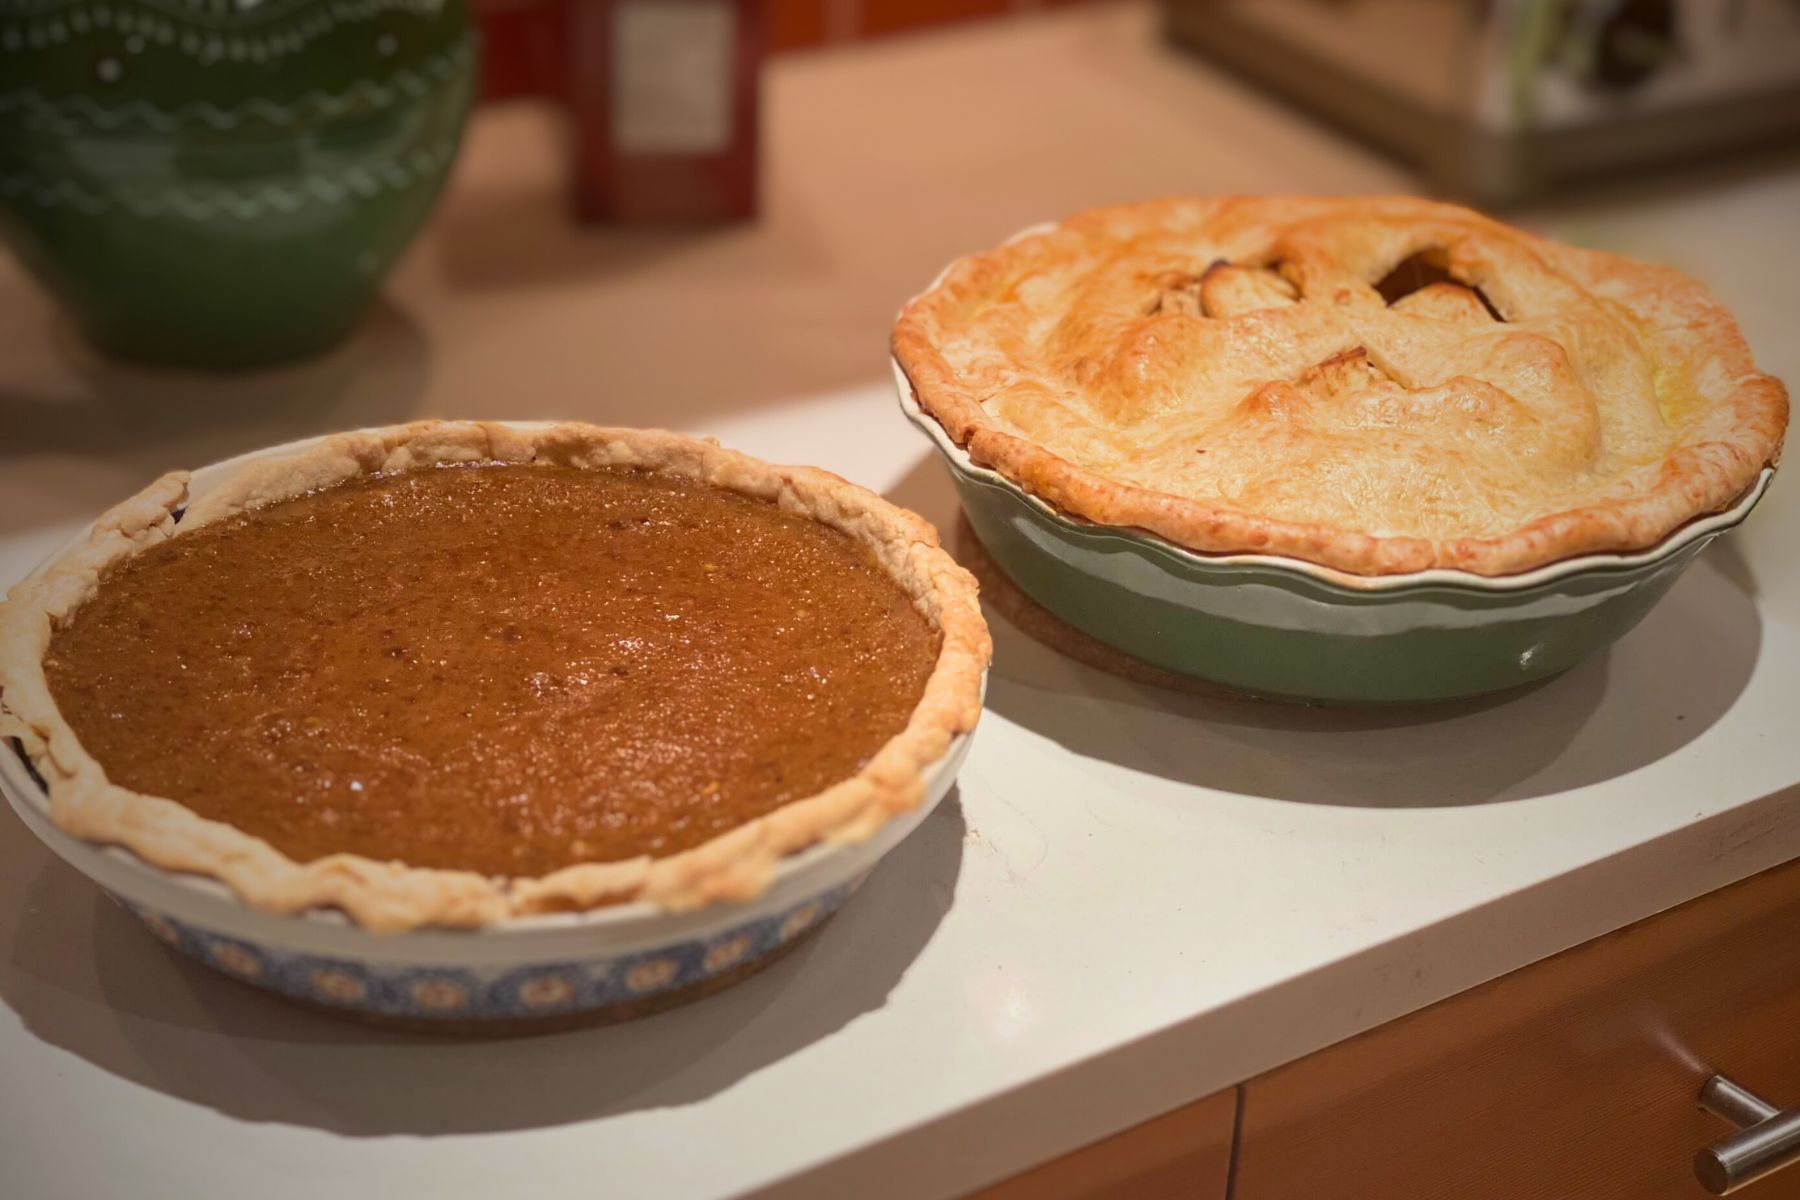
(1377, 385)
(451, 673)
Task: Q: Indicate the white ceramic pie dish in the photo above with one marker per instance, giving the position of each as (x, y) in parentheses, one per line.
(613, 961)
(525, 973)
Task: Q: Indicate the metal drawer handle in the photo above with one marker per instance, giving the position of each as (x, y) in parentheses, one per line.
(1767, 1138)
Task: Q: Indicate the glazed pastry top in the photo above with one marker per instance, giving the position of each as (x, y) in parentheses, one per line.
(1379, 385)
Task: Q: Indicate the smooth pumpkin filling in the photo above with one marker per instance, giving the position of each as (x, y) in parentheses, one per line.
(501, 668)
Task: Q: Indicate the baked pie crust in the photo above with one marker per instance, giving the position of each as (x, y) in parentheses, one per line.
(1378, 385)
(386, 896)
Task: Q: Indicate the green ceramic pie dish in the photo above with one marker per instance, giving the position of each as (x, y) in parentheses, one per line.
(1285, 627)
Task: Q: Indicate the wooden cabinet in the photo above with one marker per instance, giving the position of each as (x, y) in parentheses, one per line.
(1183, 1155)
(1575, 1077)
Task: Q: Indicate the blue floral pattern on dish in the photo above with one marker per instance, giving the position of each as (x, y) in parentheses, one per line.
(462, 993)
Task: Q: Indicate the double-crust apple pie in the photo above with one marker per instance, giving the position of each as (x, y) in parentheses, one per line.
(1376, 385)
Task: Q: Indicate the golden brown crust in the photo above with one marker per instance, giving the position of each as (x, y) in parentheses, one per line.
(1225, 374)
(392, 896)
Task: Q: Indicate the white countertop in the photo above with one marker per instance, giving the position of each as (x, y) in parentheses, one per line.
(1133, 899)
(1136, 898)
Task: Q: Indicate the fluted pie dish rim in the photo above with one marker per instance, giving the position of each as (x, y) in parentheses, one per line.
(1737, 436)
(734, 867)
(1344, 584)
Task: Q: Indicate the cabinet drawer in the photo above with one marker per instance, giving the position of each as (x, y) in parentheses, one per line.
(1574, 1077)
(1183, 1155)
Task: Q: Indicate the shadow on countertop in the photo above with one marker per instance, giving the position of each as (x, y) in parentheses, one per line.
(1652, 693)
(83, 976)
(503, 233)
(116, 417)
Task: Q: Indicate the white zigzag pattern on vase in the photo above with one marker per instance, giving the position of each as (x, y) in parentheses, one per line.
(75, 115)
(247, 203)
(219, 14)
(244, 36)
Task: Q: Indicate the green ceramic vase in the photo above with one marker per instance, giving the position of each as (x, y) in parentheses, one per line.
(224, 183)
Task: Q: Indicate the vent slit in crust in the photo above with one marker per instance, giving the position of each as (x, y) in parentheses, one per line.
(1423, 282)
